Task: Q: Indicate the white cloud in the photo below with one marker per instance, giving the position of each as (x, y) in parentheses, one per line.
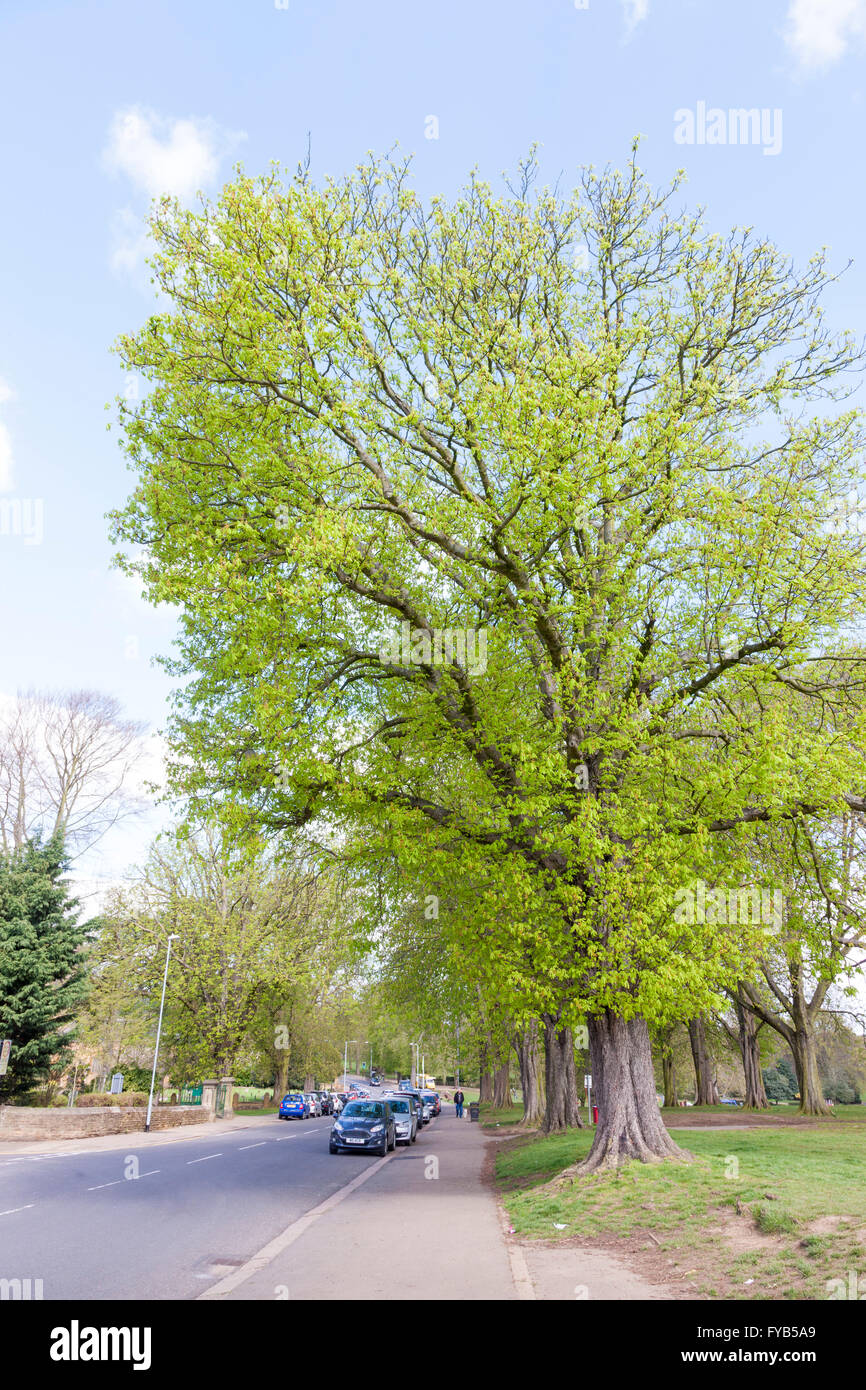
(6, 468)
(819, 32)
(160, 155)
(635, 12)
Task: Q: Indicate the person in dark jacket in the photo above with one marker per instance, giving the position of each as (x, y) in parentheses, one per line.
(458, 1103)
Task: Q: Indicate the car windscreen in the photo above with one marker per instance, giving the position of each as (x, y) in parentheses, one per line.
(292, 1098)
(400, 1107)
(367, 1110)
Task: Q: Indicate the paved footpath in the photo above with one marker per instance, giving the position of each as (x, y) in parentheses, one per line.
(420, 1224)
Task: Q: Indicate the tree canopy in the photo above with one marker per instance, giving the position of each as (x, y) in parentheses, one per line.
(521, 558)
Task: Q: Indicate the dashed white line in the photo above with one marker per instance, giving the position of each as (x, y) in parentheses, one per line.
(149, 1173)
(260, 1145)
(104, 1184)
(202, 1160)
(12, 1210)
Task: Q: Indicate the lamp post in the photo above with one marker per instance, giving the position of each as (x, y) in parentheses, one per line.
(346, 1057)
(458, 1053)
(172, 937)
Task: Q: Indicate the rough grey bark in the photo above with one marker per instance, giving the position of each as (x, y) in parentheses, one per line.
(529, 1063)
(630, 1124)
(502, 1086)
(562, 1107)
(706, 1090)
(485, 1084)
(747, 1029)
(669, 1071)
(799, 1033)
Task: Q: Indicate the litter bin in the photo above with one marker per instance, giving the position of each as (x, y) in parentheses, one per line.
(595, 1114)
(474, 1110)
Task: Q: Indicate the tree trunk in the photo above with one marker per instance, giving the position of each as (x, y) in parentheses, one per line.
(281, 1074)
(669, 1072)
(812, 1100)
(706, 1090)
(309, 1082)
(502, 1086)
(630, 1124)
(530, 1075)
(756, 1095)
(562, 1107)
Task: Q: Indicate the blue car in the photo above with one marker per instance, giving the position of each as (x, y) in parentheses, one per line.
(293, 1107)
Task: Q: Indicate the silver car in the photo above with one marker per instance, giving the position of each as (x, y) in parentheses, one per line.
(405, 1118)
(313, 1102)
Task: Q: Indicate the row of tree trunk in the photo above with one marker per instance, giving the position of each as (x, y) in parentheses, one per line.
(624, 1088)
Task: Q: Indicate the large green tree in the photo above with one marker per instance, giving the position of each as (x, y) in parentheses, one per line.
(519, 556)
(41, 972)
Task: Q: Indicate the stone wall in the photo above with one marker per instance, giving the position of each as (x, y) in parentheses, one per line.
(32, 1122)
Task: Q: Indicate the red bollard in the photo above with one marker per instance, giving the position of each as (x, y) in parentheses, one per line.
(595, 1114)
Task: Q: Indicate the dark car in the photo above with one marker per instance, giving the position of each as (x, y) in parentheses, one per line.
(433, 1097)
(327, 1102)
(364, 1125)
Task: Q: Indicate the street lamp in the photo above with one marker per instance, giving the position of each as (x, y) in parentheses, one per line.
(346, 1058)
(173, 937)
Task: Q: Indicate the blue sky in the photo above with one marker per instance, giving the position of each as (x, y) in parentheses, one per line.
(105, 104)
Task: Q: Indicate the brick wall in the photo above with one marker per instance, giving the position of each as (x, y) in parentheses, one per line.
(30, 1122)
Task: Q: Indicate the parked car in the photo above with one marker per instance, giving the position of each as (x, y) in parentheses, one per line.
(405, 1085)
(425, 1107)
(433, 1097)
(314, 1103)
(364, 1125)
(405, 1113)
(327, 1101)
(293, 1106)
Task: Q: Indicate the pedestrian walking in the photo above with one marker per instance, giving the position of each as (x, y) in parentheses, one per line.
(458, 1103)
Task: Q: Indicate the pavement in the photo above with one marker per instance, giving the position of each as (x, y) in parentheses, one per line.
(422, 1225)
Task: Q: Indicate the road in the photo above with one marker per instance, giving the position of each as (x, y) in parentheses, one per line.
(84, 1227)
(182, 1216)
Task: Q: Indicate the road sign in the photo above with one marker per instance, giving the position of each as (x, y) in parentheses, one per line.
(117, 1083)
(587, 1079)
(5, 1049)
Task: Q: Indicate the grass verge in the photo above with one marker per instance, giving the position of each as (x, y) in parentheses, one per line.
(759, 1213)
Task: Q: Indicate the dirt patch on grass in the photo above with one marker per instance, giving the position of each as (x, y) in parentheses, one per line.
(827, 1225)
(740, 1233)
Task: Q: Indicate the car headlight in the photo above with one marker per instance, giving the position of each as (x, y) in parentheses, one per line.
(338, 1127)
(374, 1129)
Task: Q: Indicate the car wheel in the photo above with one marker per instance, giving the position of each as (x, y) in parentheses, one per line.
(414, 1139)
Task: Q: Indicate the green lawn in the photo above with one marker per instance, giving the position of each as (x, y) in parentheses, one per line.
(801, 1193)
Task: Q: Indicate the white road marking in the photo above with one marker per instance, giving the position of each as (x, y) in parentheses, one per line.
(149, 1173)
(260, 1145)
(12, 1210)
(292, 1233)
(202, 1160)
(105, 1184)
